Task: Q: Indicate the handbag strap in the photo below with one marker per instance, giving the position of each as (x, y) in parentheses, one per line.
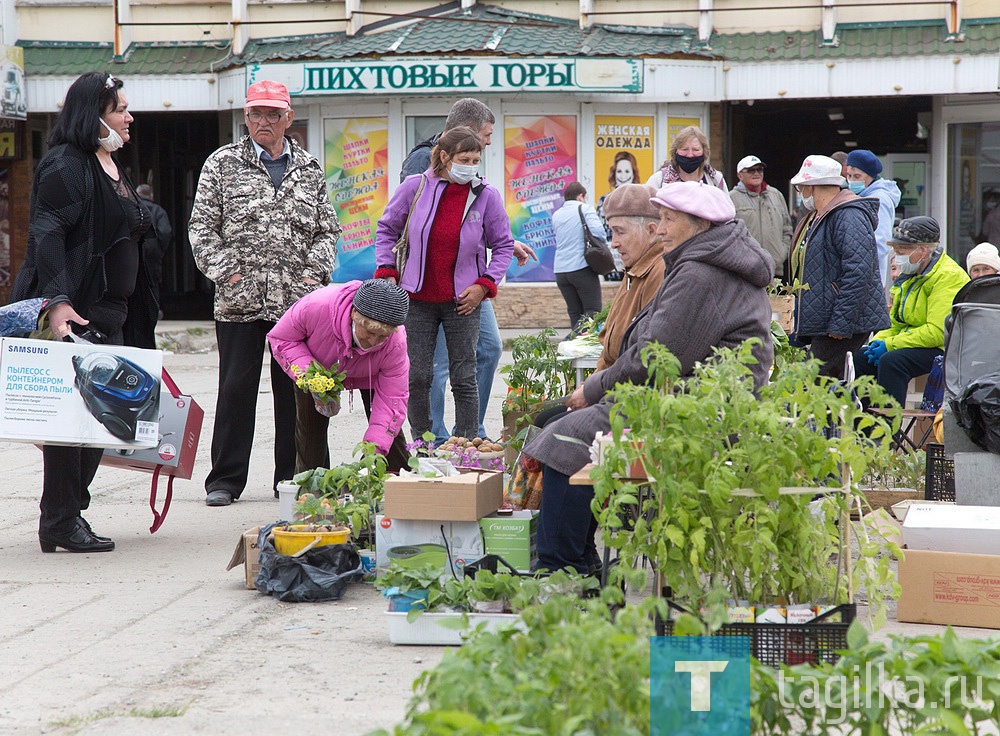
(583, 221)
(169, 383)
(159, 517)
(413, 204)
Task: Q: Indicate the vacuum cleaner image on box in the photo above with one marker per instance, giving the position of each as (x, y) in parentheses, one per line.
(119, 394)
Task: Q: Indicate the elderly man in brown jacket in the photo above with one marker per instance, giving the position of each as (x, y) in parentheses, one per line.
(633, 220)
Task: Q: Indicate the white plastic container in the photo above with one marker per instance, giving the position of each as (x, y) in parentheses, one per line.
(427, 628)
(286, 500)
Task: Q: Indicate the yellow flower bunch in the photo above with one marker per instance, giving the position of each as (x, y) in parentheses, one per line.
(325, 383)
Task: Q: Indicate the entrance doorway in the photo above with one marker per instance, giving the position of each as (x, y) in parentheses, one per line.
(782, 133)
(171, 150)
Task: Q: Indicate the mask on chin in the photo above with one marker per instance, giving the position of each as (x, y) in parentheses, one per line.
(112, 141)
(357, 344)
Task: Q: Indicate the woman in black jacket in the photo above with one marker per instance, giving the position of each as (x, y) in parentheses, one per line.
(84, 257)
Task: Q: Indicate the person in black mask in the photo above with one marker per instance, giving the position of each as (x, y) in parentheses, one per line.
(688, 161)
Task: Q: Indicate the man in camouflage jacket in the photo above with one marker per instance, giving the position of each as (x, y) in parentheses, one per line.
(264, 231)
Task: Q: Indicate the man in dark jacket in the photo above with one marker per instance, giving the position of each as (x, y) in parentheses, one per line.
(155, 248)
(836, 258)
(712, 295)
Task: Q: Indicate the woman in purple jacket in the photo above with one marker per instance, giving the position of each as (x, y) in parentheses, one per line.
(358, 326)
(456, 219)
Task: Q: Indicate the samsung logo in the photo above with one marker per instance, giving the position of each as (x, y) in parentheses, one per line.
(11, 348)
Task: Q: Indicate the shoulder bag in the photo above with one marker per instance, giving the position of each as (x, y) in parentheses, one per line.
(402, 247)
(597, 253)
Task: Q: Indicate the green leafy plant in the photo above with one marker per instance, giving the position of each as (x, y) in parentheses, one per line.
(715, 521)
(575, 669)
(537, 373)
(354, 490)
(405, 579)
(898, 470)
(906, 685)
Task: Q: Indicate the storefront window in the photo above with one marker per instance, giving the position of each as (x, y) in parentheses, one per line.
(974, 187)
(423, 128)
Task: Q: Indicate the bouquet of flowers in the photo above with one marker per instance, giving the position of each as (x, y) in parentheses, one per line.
(325, 384)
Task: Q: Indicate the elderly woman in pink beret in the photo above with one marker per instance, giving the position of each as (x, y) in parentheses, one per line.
(712, 296)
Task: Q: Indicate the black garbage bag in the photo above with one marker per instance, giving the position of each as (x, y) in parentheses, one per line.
(320, 574)
(977, 411)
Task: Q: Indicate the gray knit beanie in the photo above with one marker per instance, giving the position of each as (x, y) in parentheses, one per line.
(382, 301)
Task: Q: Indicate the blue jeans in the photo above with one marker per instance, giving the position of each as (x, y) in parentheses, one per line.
(488, 351)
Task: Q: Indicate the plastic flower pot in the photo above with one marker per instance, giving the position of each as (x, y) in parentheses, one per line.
(290, 542)
(408, 601)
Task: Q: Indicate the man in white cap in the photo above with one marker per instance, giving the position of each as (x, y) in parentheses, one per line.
(763, 209)
(835, 256)
(264, 231)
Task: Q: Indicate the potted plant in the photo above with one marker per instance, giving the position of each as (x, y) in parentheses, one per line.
(354, 490)
(536, 379)
(317, 527)
(488, 592)
(409, 588)
(728, 512)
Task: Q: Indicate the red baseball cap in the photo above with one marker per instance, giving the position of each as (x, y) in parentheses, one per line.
(268, 94)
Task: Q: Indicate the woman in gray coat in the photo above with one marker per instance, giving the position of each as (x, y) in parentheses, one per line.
(713, 295)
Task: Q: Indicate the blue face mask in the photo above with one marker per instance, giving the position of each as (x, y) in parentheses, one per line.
(856, 186)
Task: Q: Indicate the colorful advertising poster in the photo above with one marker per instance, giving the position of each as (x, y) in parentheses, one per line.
(13, 103)
(623, 152)
(539, 163)
(356, 152)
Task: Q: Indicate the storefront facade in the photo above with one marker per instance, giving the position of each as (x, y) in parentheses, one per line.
(922, 98)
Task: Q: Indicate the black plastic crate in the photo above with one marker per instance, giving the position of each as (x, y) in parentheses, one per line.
(939, 477)
(818, 640)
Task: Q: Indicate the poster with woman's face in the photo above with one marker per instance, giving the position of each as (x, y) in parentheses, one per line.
(623, 151)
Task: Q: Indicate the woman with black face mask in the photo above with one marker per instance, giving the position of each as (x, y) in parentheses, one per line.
(688, 161)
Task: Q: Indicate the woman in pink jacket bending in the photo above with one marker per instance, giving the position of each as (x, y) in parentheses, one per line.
(357, 325)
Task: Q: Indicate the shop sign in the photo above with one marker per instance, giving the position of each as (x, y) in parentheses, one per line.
(10, 140)
(623, 152)
(454, 75)
(539, 163)
(356, 152)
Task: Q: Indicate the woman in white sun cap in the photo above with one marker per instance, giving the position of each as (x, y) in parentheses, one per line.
(834, 253)
(712, 296)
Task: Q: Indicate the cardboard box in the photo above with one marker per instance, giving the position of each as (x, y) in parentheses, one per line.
(181, 419)
(513, 537)
(61, 393)
(462, 538)
(246, 554)
(949, 588)
(468, 496)
(946, 528)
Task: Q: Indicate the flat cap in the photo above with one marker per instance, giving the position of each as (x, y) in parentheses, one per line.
(631, 200)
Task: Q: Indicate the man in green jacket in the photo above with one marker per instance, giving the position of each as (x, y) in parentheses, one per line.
(921, 299)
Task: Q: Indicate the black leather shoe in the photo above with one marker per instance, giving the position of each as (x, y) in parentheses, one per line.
(80, 521)
(80, 540)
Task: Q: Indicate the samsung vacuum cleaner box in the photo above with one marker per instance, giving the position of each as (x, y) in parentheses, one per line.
(61, 393)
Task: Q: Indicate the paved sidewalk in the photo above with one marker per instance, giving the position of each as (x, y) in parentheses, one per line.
(157, 638)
